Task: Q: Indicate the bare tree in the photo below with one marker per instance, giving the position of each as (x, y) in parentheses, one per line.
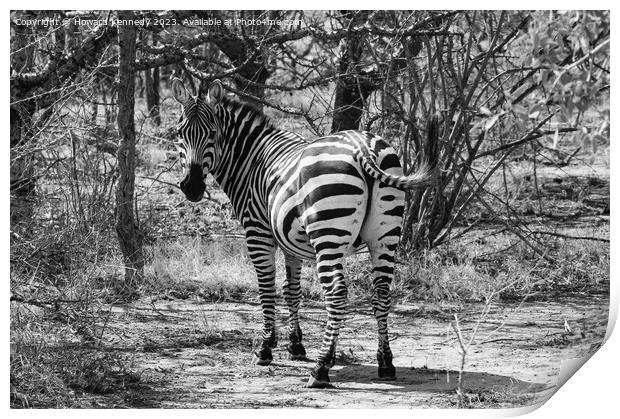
(129, 234)
(352, 86)
(40, 78)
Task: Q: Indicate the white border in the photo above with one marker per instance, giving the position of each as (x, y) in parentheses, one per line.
(592, 392)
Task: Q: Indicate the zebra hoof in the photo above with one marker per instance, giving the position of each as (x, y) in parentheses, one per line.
(316, 383)
(263, 357)
(297, 352)
(319, 377)
(387, 373)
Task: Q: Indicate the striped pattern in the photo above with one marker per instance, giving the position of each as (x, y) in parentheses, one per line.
(320, 200)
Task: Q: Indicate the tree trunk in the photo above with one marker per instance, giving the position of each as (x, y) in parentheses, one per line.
(152, 91)
(127, 229)
(352, 86)
(22, 179)
(152, 94)
(22, 185)
(349, 103)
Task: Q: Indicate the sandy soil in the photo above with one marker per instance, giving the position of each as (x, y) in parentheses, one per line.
(193, 354)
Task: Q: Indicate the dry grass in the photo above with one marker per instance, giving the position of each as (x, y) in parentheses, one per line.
(196, 266)
(44, 375)
(464, 271)
(55, 335)
(469, 270)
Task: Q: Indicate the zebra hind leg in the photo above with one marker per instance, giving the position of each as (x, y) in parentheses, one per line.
(292, 295)
(382, 273)
(335, 291)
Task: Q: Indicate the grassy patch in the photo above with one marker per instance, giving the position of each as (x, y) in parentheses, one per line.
(51, 367)
(464, 271)
(197, 266)
(471, 270)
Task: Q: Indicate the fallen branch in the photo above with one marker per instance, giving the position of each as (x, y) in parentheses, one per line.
(499, 340)
(566, 236)
(204, 235)
(43, 303)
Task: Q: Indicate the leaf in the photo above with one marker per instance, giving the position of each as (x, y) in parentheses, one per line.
(485, 111)
(534, 115)
(585, 45)
(491, 121)
(556, 139)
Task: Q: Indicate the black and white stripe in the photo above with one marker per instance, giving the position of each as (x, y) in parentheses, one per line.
(319, 200)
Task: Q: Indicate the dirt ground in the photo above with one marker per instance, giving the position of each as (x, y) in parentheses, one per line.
(193, 354)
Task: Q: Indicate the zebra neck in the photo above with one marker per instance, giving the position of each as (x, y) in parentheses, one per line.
(242, 154)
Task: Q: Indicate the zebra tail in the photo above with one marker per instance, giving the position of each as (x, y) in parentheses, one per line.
(425, 174)
(423, 177)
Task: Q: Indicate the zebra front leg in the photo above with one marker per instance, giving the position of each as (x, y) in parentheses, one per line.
(292, 295)
(335, 291)
(264, 264)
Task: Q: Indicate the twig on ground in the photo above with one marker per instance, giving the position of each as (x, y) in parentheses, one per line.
(566, 236)
(459, 389)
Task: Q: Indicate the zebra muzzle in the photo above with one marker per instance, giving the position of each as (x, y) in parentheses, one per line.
(193, 186)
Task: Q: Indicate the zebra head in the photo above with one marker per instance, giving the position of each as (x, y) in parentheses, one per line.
(198, 131)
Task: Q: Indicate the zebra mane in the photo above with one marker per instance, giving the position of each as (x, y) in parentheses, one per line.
(235, 105)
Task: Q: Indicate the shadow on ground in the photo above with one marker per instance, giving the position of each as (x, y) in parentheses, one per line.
(364, 377)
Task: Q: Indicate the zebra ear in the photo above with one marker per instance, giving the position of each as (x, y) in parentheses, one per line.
(179, 91)
(216, 92)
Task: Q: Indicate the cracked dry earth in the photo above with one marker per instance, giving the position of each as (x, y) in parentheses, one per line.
(192, 354)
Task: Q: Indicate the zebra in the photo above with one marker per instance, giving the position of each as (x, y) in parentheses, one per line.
(316, 200)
